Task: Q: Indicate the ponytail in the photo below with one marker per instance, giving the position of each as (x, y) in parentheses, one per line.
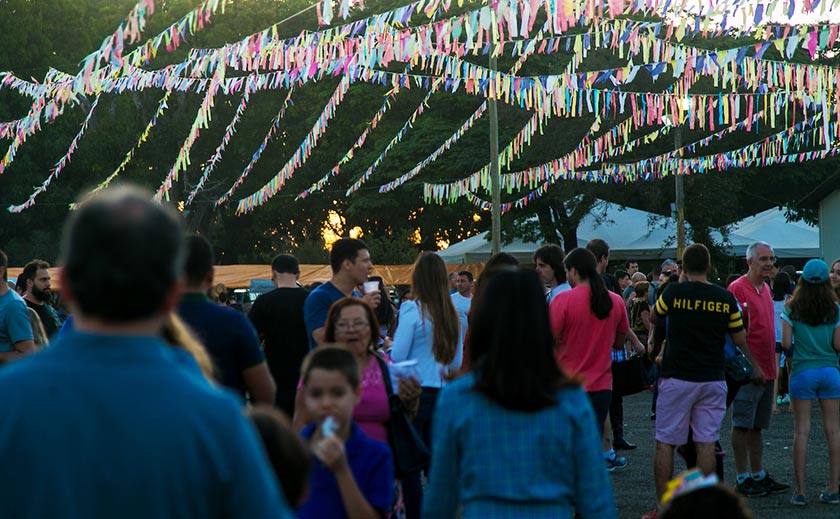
(583, 261)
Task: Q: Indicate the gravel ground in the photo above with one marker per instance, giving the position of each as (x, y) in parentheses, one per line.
(633, 486)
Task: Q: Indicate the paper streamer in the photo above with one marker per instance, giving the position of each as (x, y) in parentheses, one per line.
(348, 156)
(59, 166)
(275, 125)
(217, 156)
(129, 156)
(300, 156)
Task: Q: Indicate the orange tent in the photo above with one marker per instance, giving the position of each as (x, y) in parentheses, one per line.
(240, 276)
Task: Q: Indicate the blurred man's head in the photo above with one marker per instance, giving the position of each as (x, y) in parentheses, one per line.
(36, 281)
(198, 265)
(464, 283)
(122, 256)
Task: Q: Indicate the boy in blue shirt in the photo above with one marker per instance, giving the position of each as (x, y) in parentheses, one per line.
(352, 475)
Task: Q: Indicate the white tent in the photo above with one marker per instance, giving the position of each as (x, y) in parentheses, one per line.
(635, 234)
(789, 239)
(631, 233)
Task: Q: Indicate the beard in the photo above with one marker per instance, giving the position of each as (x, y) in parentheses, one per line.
(41, 295)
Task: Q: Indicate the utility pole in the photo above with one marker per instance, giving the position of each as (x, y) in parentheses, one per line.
(495, 180)
(679, 197)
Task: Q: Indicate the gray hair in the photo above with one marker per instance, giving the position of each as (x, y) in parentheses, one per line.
(755, 245)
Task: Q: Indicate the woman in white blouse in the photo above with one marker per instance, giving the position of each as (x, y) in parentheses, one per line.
(428, 332)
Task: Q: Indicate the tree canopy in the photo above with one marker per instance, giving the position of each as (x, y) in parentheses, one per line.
(256, 122)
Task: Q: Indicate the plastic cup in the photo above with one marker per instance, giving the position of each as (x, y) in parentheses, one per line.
(371, 286)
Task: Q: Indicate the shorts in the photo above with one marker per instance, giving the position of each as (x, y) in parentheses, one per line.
(600, 401)
(682, 404)
(753, 406)
(816, 384)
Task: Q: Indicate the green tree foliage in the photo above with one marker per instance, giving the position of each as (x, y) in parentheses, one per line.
(38, 35)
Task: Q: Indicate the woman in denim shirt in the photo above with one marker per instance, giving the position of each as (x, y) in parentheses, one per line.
(516, 437)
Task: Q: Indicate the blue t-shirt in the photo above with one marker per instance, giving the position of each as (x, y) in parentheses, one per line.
(227, 334)
(317, 306)
(372, 466)
(102, 426)
(14, 320)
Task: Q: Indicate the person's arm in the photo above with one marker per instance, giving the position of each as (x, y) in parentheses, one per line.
(740, 340)
(251, 359)
(318, 335)
(315, 310)
(835, 340)
(440, 500)
(787, 335)
(636, 343)
(645, 316)
(21, 349)
(622, 331)
(301, 417)
(330, 451)
(260, 384)
(404, 334)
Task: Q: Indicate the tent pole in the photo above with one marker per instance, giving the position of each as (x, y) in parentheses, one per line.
(495, 181)
(679, 197)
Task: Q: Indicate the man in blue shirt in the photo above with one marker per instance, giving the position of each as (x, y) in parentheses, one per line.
(228, 335)
(112, 421)
(15, 330)
(351, 266)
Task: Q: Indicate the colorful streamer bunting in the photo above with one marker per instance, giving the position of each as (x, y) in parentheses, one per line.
(59, 166)
(129, 156)
(275, 125)
(217, 156)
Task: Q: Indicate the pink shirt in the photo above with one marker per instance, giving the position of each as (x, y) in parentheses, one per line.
(761, 336)
(584, 342)
(372, 412)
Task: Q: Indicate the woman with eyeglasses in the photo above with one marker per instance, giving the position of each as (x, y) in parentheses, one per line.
(351, 324)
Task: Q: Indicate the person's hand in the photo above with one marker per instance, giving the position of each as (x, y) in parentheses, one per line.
(409, 390)
(758, 375)
(639, 348)
(373, 298)
(387, 342)
(330, 451)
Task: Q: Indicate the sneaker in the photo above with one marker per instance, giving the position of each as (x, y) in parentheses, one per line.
(772, 486)
(829, 498)
(751, 488)
(616, 463)
(653, 514)
(798, 500)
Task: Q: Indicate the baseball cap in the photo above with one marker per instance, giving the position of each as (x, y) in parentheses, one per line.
(815, 272)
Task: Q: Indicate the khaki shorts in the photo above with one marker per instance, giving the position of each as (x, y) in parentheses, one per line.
(753, 406)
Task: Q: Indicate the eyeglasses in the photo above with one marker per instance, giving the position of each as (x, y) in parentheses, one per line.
(668, 272)
(348, 325)
(766, 259)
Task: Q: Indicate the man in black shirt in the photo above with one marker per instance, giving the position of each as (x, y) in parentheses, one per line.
(692, 389)
(36, 278)
(278, 318)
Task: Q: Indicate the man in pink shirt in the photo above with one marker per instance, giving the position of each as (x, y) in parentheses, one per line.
(753, 403)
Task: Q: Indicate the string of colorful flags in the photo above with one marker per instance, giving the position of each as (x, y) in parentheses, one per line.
(752, 90)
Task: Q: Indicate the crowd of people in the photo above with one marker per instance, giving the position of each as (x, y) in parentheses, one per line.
(487, 397)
